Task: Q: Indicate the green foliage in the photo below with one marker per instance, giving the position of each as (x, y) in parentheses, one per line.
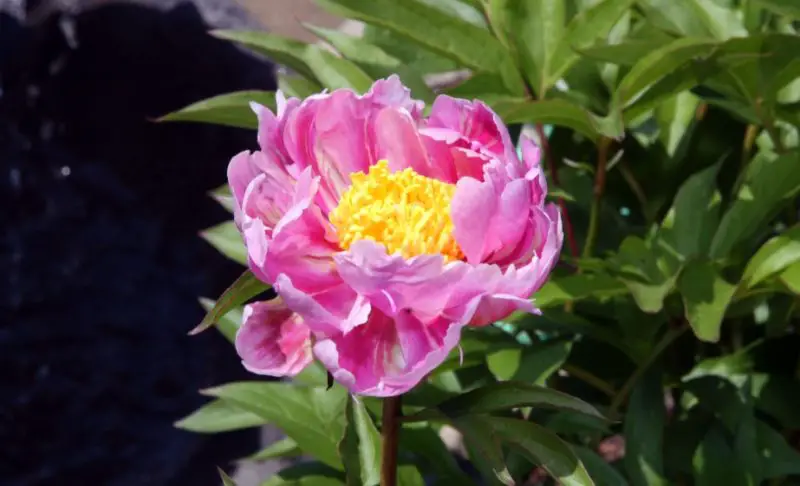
(672, 143)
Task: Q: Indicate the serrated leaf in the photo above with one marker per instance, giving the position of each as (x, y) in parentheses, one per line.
(227, 239)
(582, 31)
(544, 448)
(774, 256)
(360, 447)
(504, 396)
(282, 50)
(231, 109)
(768, 183)
(312, 417)
(244, 288)
(706, 296)
(644, 430)
(432, 28)
(219, 416)
(557, 112)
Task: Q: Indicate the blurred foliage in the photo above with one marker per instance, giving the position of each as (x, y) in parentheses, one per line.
(673, 150)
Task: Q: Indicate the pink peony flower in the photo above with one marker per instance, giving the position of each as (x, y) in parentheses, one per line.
(385, 233)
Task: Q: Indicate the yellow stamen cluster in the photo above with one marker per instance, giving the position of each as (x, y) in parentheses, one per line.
(406, 212)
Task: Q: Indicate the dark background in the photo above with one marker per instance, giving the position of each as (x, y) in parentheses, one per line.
(100, 261)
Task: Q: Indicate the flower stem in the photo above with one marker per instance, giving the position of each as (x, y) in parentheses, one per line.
(390, 434)
(599, 189)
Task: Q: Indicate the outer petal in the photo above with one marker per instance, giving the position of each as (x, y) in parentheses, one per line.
(388, 356)
(475, 122)
(273, 340)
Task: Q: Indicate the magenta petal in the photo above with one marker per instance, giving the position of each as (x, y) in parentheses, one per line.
(388, 356)
(273, 340)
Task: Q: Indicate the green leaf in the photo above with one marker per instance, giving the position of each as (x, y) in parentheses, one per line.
(375, 61)
(227, 239)
(432, 28)
(699, 18)
(544, 448)
(556, 112)
(768, 184)
(244, 288)
(706, 296)
(503, 396)
(231, 109)
(282, 50)
(219, 416)
(360, 447)
(656, 65)
(485, 449)
(335, 72)
(602, 472)
(294, 86)
(226, 480)
(624, 53)
(789, 8)
(306, 474)
(582, 31)
(228, 324)
(539, 362)
(285, 447)
(716, 463)
(504, 363)
(224, 197)
(408, 475)
(778, 458)
(644, 432)
(773, 257)
(577, 287)
(532, 30)
(695, 213)
(423, 441)
(312, 417)
(648, 275)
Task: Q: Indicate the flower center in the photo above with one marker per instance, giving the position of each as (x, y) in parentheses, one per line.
(406, 212)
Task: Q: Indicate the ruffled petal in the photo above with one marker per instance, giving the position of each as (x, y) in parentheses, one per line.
(273, 340)
(388, 356)
(394, 284)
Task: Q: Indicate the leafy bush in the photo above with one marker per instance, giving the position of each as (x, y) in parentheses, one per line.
(670, 134)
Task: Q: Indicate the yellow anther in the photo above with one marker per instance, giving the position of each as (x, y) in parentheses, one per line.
(406, 212)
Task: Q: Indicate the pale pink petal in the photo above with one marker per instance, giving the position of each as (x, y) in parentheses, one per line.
(273, 340)
(394, 284)
(388, 356)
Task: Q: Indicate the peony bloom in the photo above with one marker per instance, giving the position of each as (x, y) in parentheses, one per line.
(385, 233)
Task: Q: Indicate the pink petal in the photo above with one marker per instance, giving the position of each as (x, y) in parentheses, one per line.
(394, 284)
(472, 211)
(273, 340)
(388, 356)
(475, 122)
